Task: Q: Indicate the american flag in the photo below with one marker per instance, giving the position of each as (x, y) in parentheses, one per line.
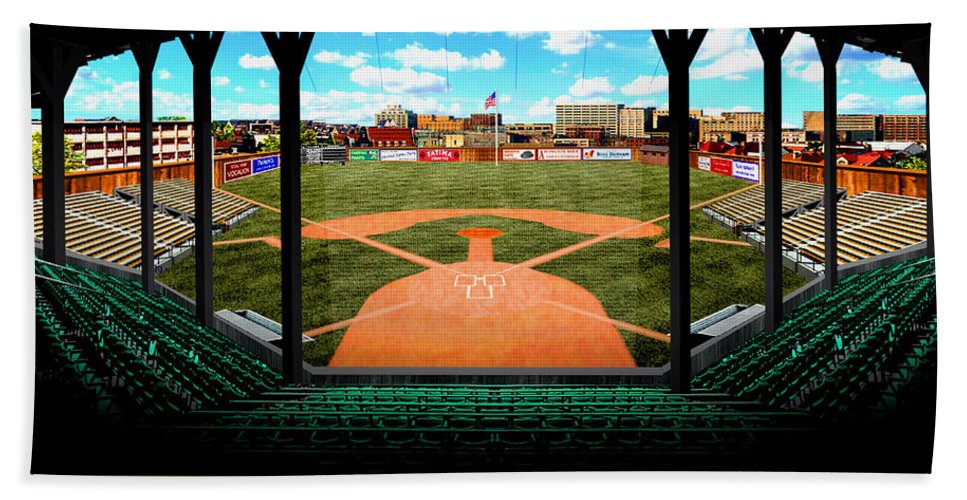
(491, 101)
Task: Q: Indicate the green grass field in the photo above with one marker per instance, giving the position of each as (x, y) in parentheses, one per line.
(629, 276)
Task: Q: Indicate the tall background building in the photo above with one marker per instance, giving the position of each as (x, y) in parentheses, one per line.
(602, 115)
(395, 116)
(905, 128)
(635, 122)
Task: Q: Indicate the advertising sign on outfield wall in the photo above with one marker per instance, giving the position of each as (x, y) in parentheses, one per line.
(607, 154)
(363, 155)
(746, 170)
(439, 155)
(397, 155)
(705, 163)
(518, 154)
(722, 166)
(264, 164)
(236, 170)
(559, 154)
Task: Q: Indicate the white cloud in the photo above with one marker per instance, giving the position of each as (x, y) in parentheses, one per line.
(404, 80)
(520, 35)
(570, 42)
(170, 103)
(262, 111)
(735, 78)
(239, 89)
(416, 56)
(248, 61)
(558, 71)
(891, 68)
(86, 73)
(646, 85)
(349, 61)
(112, 101)
(733, 63)
(220, 81)
(542, 108)
(790, 125)
(807, 71)
(801, 47)
(721, 42)
(368, 33)
(263, 84)
(912, 102)
(610, 45)
(164, 74)
(591, 86)
(337, 106)
(859, 103)
(644, 103)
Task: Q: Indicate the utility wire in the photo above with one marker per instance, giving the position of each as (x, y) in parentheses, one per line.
(379, 62)
(585, 66)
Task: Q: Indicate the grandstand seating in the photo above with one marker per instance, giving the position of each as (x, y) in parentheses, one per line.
(107, 228)
(177, 196)
(839, 347)
(137, 351)
(869, 224)
(863, 350)
(747, 208)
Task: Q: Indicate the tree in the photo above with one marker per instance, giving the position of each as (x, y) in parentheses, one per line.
(172, 119)
(307, 135)
(223, 131)
(912, 163)
(72, 159)
(271, 143)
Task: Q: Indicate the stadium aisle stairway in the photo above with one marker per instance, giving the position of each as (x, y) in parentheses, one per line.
(837, 350)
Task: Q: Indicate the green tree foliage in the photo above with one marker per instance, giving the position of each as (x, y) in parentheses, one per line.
(307, 135)
(172, 118)
(72, 159)
(223, 131)
(912, 163)
(270, 143)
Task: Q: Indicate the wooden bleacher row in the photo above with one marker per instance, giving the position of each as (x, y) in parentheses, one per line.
(748, 207)
(106, 228)
(178, 195)
(870, 224)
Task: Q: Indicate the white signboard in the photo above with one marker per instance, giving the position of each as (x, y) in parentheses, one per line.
(518, 154)
(607, 154)
(559, 154)
(746, 170)
(397, 155)
(705, 163)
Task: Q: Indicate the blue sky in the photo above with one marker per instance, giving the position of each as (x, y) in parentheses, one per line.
(452, 73)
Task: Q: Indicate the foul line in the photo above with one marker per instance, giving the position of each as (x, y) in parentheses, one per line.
(390, 249)
(346, 322)
(618, 323)
(543, 259)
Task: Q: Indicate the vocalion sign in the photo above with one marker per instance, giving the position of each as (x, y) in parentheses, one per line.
(236, 170)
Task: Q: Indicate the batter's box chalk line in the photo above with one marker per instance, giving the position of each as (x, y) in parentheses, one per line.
(479, 287)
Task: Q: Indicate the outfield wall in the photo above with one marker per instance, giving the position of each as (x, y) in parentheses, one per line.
(106, 179)
(854, 178)
(515, 152)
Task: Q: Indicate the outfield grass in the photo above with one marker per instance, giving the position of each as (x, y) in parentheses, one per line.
(629, 277)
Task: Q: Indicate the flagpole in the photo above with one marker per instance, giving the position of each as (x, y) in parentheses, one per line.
(496, 141)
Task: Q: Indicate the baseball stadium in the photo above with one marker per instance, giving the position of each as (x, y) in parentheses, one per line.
(440, 294)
